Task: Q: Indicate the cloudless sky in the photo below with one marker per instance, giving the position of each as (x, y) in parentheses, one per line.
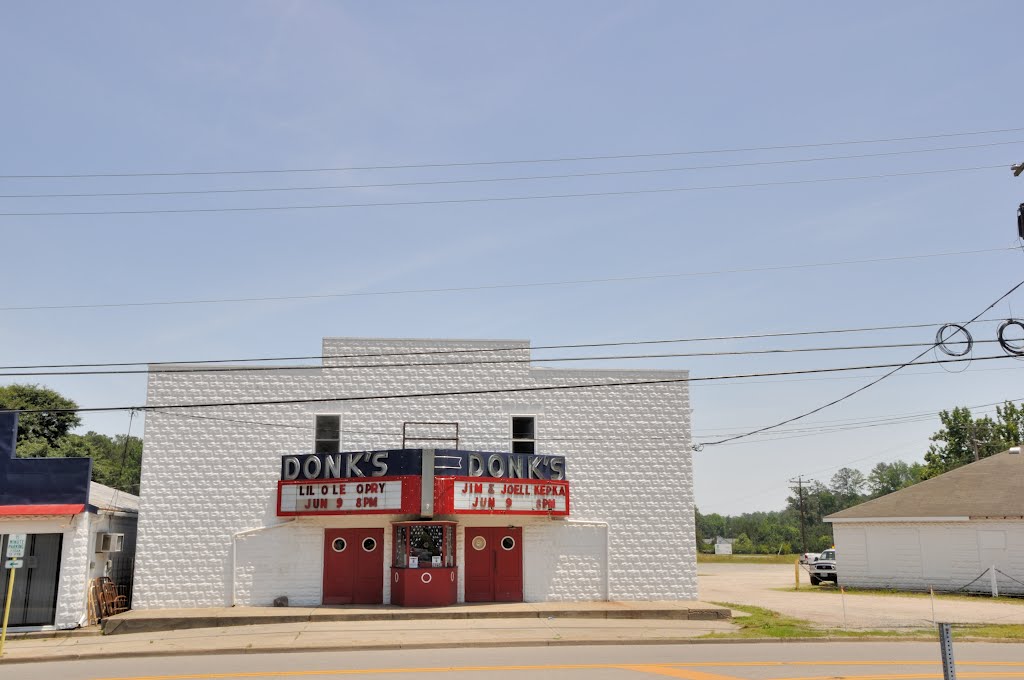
(195, 86)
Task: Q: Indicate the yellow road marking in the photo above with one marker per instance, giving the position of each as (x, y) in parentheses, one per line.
(702, 664)
(675, 672)
(912, 676)
(646, 668)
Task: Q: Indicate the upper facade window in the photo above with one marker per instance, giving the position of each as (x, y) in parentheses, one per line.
(328, 434)
(524, 434)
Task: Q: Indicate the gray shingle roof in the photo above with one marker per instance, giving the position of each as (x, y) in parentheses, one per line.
(992, 487)
(106, 498)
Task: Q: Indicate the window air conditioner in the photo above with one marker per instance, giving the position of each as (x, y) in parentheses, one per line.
(109, 542)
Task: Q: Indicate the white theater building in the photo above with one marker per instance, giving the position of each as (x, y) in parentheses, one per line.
(480, 477)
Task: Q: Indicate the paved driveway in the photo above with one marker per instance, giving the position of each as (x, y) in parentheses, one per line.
(771, 586)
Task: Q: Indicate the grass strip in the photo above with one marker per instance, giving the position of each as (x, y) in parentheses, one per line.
(703, 558)
(831, 588)
(771, 625)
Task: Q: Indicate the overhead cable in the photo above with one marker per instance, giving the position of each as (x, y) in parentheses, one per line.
(474, 362)
(493, 199)
(495, 348)
(506, 390)
(874, 382)
(492, 180)
(562, 159)
(505, 286)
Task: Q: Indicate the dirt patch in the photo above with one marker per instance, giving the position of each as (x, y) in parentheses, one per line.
(769, 586)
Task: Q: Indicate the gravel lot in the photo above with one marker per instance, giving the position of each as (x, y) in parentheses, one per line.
(764, 585)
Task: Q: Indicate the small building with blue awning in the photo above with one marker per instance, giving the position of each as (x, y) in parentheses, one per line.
(76, 531)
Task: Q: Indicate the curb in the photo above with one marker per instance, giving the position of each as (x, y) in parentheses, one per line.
(387, 646)
(157, 624)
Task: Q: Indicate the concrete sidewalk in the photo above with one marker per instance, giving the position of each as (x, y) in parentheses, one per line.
(255, 630)
(215, 617)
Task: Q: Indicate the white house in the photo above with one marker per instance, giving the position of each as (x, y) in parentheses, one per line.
(943, 533)
(415, 472)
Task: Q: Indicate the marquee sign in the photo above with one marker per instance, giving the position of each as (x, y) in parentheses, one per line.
(470, 495)
(390, 463)
(400, 462)
(498, 465)
(405, 481)
(382, 495)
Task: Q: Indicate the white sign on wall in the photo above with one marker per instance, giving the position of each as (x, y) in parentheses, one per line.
(337, 497)
(16, 545)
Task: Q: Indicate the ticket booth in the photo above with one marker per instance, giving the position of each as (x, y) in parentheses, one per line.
(423, 571)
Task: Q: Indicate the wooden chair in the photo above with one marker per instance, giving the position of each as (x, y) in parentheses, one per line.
(105, 600)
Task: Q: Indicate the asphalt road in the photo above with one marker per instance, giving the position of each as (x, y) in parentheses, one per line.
(761, 661)
(771, 586)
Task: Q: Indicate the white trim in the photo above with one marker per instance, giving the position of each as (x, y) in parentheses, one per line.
(851, 520)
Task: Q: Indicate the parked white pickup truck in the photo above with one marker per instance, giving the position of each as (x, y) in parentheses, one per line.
(824, 568)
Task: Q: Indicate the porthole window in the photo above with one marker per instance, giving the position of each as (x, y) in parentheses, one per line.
(508, 543)
(369, 544)
(339, 545)
(479, 543)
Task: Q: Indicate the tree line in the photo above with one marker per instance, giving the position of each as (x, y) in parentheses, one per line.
(960, 440)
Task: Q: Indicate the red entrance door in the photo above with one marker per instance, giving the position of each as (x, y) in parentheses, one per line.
(494, 564)
(353, 566)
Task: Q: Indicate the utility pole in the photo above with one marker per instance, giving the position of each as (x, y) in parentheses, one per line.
(803, 528)
(1017, 170)
(972, 439)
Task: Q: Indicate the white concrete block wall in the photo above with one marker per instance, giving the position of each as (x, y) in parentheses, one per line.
(627, 455)
(72, 581)
(922, 555)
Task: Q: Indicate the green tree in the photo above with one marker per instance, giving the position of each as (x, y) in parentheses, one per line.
(742, 545)
(846, 485)
(1010, 423)
(49, 427)
(888, 477)
(116, 461)
(963, 439)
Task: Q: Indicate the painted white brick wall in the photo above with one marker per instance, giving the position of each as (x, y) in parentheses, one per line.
(922, 555)
(627, 455)
(74, 563)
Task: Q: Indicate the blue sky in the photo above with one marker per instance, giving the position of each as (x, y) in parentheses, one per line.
(123, 87)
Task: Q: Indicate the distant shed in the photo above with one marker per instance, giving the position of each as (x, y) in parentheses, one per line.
(943, 533)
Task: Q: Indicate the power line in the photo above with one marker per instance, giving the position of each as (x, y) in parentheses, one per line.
(490, 350)
(863, 387)
(477, 362)
(907, 374)
(489, 180)
(875, 419)
(563, 159)
(506, 390)
(797, 433)
(785, 435)
(506, 286)
(493, 199)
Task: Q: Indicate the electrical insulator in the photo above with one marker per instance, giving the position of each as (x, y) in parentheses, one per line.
(1020, 221)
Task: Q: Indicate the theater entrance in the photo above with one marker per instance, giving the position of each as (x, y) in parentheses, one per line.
(494, 564)
(353, 566)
